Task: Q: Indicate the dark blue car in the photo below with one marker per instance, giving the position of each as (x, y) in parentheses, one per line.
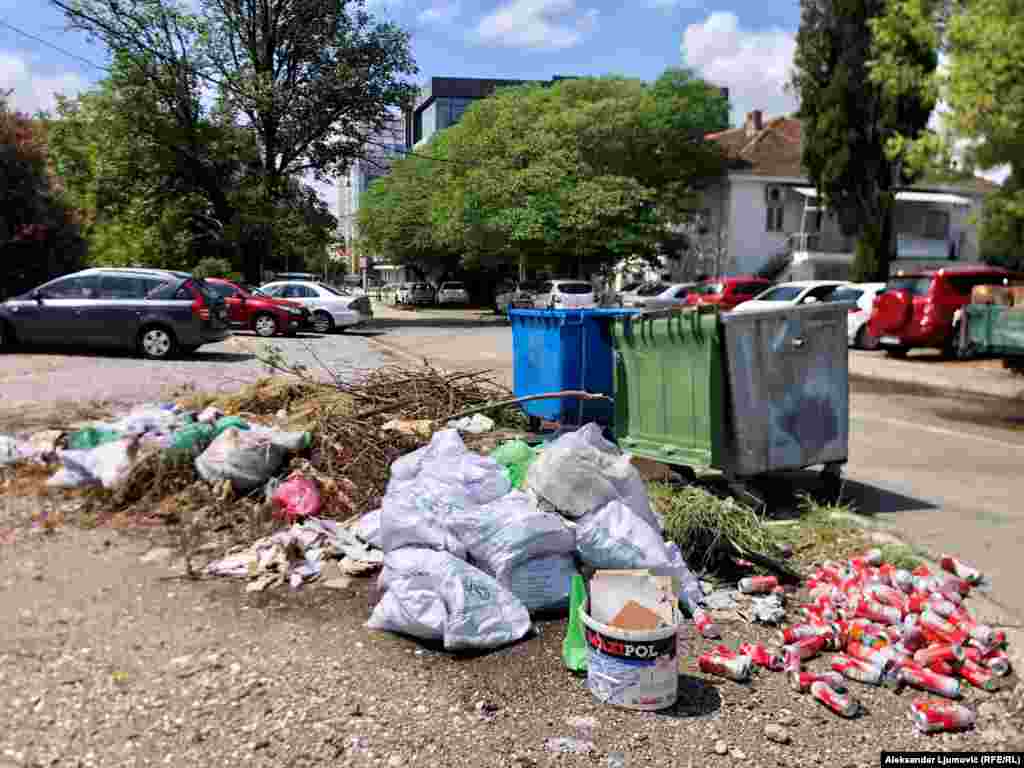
(157, 312)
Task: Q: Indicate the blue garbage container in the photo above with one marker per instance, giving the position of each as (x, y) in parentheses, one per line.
(559, 349)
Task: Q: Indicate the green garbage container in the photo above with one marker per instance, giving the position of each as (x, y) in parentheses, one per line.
(992, 329)
(744, 392)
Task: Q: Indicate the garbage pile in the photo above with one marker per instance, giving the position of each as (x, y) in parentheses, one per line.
(468, 556)
(885, 626)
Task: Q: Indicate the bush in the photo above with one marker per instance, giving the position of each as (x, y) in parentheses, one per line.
(215, 268)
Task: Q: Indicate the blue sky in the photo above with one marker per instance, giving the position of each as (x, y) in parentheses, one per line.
(742, 44)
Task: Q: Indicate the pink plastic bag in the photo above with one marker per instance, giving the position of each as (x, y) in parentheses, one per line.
(296, 497)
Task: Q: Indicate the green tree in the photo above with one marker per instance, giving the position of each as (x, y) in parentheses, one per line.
(580, 173)
(39, 237)
(981, 86)
(309, 80)
(849, 118)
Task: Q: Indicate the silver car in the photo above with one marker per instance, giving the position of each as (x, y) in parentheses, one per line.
(157, 312)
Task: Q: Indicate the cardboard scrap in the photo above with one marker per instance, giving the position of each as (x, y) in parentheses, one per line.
(636, 617)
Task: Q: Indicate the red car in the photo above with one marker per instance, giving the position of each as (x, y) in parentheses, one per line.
(917, 309)
(264, 315)
(727, 292)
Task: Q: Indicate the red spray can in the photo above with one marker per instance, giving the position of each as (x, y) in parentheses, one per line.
(756, 585)
(961, 569)
(858, 670)
(799, 632)
(762, 657)
(932, 622)
(841, 704)
(731, 667)
(809, 647)
(978, 676)
(903, 580)
(937, 715)
(926, 680)
(705, 625)
(801, 681)
(882, 614)
(950, 653)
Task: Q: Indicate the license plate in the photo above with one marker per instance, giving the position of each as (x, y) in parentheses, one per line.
(889, 340)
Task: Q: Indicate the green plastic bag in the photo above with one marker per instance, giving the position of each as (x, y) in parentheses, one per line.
(193, 437)
(90, 437)
(574, 647)
(229, 421)
(516, 456)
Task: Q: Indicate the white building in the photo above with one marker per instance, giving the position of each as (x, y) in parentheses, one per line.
(383, 147)
(765, 207)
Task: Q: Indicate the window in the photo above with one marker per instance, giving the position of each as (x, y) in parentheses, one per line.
(748, 289)
(84, 287)
(223, 290)
(708, 289)
(776, 210)
(273, 291)
(651, 290)
(575, 289)
(125, 287)
(299, 292)
(821, 293)
(936, 225)
(782, 293)
(846, 294)
(915, 286)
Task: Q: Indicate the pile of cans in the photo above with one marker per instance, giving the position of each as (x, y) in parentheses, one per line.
(886, 626)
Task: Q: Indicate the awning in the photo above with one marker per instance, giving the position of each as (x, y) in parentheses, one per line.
(931, 197)
(906, 197)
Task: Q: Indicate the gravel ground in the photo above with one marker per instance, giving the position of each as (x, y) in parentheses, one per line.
(107, 660)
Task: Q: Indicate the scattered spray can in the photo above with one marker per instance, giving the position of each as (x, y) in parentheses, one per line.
(801, 681)
(732, 667)
(949, 653)
(757, 585)
(903, 580)
(938, 715)
(809, 647)
(855, 669)
(997, 662)
(926, 680)
(979, 677)
(961, 569)
(841, 704)
(705, 625)
(882, 614)
(762, 657)
(936, 625)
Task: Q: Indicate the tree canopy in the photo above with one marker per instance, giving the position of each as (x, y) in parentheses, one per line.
(982, 86)
(584, 171)
(848, 119)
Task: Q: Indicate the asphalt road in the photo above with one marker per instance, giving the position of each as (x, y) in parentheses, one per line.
(942, 469)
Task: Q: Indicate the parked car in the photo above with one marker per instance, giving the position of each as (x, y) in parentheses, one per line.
(670, 296)
(791, 294)
(265, 315)
(402, 293)
(917, 309)
(635, 296)
(421, 293)
(727, 293)
(157, 312)
(863, 294)
(452, 293)
(516, 296)
(330, 308)
(565, 294)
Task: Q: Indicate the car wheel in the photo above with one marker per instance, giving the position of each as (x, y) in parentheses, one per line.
(322, 322)
(865, 340)
(157, 343)
(265, 325)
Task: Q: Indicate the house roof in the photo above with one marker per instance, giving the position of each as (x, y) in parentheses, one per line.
(775, 150)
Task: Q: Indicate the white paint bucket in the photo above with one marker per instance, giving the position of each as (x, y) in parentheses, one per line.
(635, 670)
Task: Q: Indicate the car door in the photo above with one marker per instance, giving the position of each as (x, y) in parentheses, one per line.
(56, 317)
(114, 316)
(238, 313)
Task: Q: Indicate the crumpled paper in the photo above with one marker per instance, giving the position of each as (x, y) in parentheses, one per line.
(768, 610)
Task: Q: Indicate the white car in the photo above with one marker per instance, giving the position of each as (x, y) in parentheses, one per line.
(515, 297)
(565, 294)
(670, 296)
(329, 308)
(864, 294)
(793, 294)
(452, 293)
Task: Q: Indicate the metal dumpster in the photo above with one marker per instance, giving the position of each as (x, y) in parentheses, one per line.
(560, 349)
(743, 392)
(991, 329)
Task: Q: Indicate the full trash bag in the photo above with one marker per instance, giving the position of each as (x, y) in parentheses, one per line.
(295, 498)
(581, 472)
(528, 551)
(105, 465)
(435, 596)
(247, 458)
(615, 537)
(445, 445)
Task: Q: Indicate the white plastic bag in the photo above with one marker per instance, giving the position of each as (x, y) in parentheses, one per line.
(146, 418)
(433, 595)
(106, 464)
(615, 537)
(526, 550)
(444, 445)
(246, 458)
(416, 516)
(581, 472)
(475, 425)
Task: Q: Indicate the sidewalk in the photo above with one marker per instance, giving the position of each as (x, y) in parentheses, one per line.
(927, 370)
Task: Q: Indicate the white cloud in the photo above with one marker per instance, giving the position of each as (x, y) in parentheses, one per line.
(753, 64)
(441, 11)
(672, 5)
(34, 90)
(537, 24)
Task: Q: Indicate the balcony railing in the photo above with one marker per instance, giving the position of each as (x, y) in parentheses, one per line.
(907, 246)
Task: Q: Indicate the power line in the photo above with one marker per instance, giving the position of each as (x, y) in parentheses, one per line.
(54, 47)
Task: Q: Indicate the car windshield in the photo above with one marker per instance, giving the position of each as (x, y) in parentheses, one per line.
(915, 286)
(846, 294)
(329, 289)
(651, 290)
(709, 288)
(575, 289)
(782, 293)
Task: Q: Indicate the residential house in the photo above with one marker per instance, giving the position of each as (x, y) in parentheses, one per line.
(765, 207)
